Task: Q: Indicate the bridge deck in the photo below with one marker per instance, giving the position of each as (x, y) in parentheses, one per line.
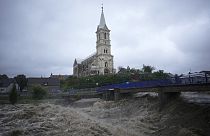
(169, 88)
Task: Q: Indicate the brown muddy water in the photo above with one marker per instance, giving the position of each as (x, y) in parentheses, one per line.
(95, 117)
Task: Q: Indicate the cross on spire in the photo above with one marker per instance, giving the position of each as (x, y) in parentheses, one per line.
(102, 8)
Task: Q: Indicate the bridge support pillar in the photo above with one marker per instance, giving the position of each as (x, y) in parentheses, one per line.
(116, 95)
(113, 95)
(166, 97)
(108, 95)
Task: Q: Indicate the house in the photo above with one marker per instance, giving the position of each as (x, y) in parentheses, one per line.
(195, 78)
(6, 85)
(50, 84)
(60, 77)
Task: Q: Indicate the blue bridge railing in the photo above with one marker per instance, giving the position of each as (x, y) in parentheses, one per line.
(129, 85)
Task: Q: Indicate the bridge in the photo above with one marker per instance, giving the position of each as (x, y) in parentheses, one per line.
(166, 90)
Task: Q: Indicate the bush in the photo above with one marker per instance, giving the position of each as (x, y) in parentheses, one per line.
(38, 92)
(13, 95)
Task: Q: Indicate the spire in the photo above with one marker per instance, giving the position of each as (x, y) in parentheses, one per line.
(75, 62)
(102, 7)
(102, 19)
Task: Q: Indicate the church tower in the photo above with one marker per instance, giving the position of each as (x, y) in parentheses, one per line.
(100, 62)
(103, 47)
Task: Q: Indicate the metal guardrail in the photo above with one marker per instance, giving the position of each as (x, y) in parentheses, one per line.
(143, 84)
(128, 85)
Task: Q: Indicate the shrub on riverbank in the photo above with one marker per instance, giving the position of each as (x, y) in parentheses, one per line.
(38, 92)
(13, 95)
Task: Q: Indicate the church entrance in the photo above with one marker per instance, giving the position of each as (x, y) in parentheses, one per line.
(106, 71)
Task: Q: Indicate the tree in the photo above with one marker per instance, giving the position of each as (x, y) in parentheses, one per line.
(122, 70)
(128, 68)
(3, 76)
(13, 95)
(38, 92)
(21, 81)
(148, 69)
(160, 74)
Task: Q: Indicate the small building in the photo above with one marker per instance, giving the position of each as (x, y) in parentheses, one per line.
(60, 77)
(50, 84)
(195, 78)
(6, 85)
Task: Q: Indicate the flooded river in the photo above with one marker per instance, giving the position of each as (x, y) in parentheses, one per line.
(94, 117)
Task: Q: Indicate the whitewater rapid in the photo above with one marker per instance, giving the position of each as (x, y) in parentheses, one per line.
(95, 117)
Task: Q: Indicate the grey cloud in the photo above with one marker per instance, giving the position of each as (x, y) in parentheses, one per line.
(40, 37)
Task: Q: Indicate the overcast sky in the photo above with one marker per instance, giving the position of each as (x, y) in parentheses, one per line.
(38, 37)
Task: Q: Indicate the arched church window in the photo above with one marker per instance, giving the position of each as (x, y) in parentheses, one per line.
(106, 64)
(104, 35)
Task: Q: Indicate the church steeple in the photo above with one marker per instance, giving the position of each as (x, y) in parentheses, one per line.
(102, 23)
(103, 37)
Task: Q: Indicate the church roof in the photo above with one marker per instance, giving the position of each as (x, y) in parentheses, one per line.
(90, 56)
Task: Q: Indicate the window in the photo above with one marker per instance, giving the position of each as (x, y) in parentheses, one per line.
(104, 35)
(2, 89)
(105, 51)
(106, 64)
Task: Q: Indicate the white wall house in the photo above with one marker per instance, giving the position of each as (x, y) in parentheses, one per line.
(194, 78)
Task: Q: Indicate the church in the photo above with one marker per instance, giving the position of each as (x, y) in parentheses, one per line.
(100, 62)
